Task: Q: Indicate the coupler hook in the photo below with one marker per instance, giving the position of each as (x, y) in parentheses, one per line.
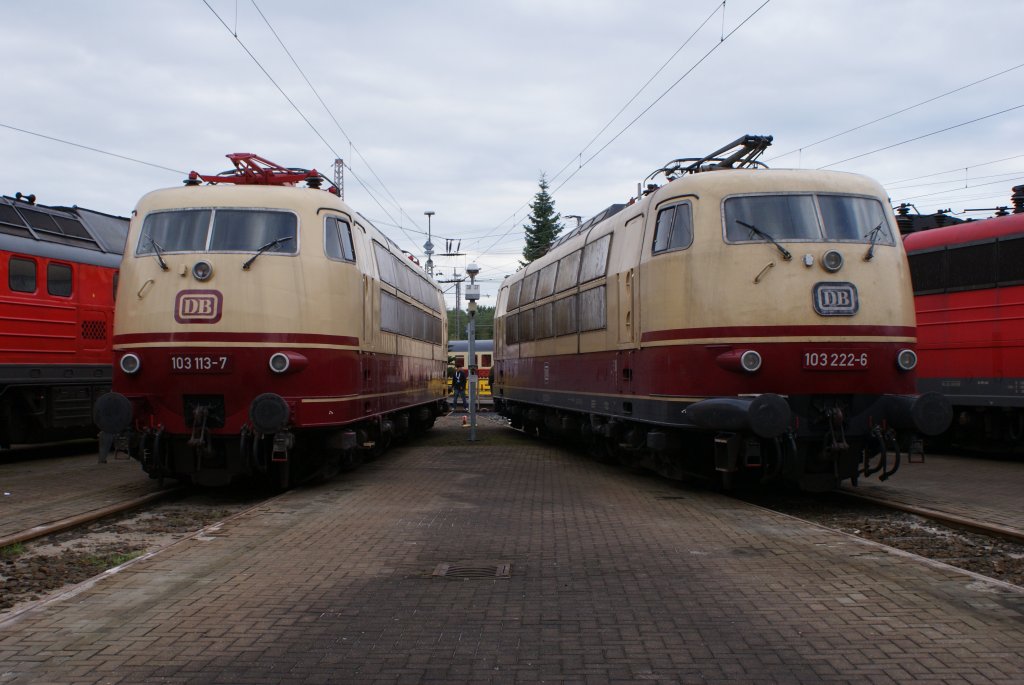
(890, 436)
(878, 438)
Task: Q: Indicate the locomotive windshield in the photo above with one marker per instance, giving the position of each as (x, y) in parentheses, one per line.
(807, 217)
(218, 230)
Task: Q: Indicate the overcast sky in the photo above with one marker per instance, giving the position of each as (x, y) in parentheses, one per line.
(459, 107)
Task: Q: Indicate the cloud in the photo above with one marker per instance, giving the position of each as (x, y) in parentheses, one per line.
(459, 107)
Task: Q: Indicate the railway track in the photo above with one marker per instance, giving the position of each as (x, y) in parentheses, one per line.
(49, 558)
(86, 517)
(980, 547)
(945, 518)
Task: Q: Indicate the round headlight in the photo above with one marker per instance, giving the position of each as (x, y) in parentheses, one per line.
(750, 361)
(279, 362)
(202, 270)
(130, 363)
(832, 261)
(906, 359)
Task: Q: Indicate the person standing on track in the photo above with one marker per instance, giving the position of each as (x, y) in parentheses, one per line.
(459, 389)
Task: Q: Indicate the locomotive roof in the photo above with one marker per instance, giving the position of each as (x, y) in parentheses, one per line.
(965, 232)
(71, 233)
(478, 345)
(720, 182)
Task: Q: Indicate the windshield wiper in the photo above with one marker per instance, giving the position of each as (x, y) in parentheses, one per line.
(158, 252)
(273, 243)
(754, 229)
(873, 235)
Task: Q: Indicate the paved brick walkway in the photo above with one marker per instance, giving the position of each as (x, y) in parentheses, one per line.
(39, 491)
(615, 577)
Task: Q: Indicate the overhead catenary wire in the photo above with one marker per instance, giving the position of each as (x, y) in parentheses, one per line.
(637, 118)
(579, 155)
(951, 171)
(897, 112)
(299, 111)
(91, 149)
(952, 190)
(632, 122)
(921, 137)
(1005, 176)
(352, 145)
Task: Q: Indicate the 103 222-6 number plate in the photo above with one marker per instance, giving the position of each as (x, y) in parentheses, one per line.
(200, 363)
(835, 360)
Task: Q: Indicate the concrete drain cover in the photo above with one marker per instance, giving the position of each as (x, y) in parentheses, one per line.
(466, 569)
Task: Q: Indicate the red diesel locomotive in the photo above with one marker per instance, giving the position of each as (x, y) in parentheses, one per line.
(752, 322)
(58, 270)
(969, 293)
(267, 330)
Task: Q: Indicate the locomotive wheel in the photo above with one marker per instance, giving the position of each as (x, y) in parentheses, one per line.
(601, 451)
(5, 424)
(350, 460)
(283, 469)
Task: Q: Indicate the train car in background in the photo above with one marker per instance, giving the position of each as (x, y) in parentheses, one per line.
(266, 330)
(458, 353)
(969, 293)
(58, 273)
(748, 322)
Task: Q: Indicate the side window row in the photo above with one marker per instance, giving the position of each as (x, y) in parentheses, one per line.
(968, 267)
(577, 267)
(566, 316)
(673, 231)
(398, 273)
(393, 271)
(22, 278)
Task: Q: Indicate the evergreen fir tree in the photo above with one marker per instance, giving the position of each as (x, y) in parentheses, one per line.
(543, 226)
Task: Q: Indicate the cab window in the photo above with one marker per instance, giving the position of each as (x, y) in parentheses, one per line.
(782, 217)
(219, 230)
(854, 218)
(21, 275)
(808, 216)
(674, 228)
(58, 280)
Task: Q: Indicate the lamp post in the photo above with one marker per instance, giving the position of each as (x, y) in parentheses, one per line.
(472, 295)
(428, 247)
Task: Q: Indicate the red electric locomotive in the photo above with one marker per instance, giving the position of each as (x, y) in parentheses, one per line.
(969, 294)
(58, 269)
(267, 330)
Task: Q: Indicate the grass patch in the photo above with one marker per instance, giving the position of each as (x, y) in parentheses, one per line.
(110, 560)
(12, 551)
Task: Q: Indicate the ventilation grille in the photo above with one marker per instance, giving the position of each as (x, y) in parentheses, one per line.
(466, 569)
(94, 330)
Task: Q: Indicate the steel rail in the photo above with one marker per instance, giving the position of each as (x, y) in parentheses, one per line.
(974, 526)
(85, 517)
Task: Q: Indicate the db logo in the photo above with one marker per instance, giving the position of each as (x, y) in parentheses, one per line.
(198, 306)
(836, 299)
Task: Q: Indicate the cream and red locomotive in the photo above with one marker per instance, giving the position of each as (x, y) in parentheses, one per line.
(752, 322)
(266, 329)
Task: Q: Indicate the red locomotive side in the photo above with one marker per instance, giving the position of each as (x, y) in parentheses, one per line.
(58, 269)
(969, 296)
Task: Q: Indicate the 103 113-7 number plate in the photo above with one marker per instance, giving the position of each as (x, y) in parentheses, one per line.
(835, 360)
(199, 363)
